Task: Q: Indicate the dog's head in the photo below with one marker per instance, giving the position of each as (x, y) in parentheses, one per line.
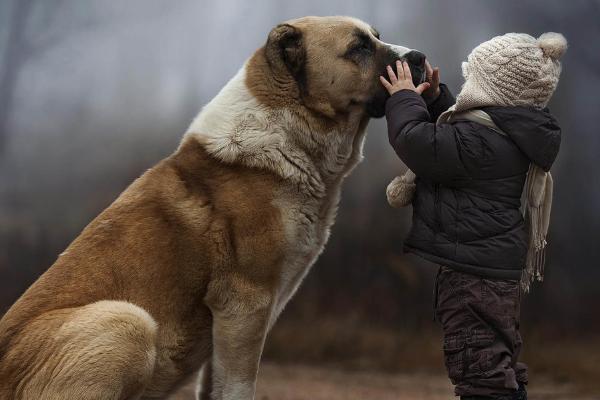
(336, 63)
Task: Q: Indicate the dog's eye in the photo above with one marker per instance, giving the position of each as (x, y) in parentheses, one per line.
(363, 46)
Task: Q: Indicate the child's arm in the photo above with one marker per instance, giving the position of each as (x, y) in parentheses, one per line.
(443, 102)
(431, 151)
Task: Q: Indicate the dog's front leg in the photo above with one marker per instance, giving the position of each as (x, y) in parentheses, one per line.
(240, 321)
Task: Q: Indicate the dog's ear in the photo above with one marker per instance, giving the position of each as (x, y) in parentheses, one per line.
(285, 51)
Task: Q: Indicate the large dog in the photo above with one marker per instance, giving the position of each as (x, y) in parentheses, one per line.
(189, 268)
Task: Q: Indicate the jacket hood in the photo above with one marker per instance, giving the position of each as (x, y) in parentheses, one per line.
(536, 132)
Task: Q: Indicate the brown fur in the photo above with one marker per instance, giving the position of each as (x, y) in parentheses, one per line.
(183, 222)
(183, 269)
(329, 97)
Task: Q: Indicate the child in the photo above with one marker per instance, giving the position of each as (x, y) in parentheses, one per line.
(471, 169)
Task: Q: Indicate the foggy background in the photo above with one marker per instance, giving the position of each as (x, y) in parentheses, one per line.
(93, 93)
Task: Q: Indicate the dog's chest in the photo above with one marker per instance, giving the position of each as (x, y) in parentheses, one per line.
(306, 226)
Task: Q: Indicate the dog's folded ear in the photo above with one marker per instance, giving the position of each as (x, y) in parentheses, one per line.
(285, 51)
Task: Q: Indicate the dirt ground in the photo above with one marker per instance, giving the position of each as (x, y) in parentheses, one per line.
(278, 382)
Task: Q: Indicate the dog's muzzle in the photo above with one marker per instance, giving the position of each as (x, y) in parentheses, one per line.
(416, 62)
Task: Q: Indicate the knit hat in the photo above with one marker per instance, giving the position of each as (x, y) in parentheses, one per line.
(512, 69)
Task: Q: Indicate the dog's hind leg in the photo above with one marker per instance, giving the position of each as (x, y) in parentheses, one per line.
(104, 350)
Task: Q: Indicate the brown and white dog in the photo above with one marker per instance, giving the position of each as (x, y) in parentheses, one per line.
(189, 268)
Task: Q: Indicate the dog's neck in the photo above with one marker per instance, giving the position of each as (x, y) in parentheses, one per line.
(237, 128)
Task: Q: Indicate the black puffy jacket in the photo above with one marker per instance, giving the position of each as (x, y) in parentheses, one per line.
(469, 181)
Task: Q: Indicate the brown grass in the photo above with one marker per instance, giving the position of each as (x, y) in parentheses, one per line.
(352, 346)
(298, 382)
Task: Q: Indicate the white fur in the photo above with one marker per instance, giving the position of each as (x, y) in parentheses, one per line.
(235, 127)
(400, 50)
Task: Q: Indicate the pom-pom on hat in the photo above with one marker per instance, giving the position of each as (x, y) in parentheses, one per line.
(512, 69)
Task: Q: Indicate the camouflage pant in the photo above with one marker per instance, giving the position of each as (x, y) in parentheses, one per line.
(480, 321)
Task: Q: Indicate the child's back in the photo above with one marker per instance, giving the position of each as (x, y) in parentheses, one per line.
(470, 180)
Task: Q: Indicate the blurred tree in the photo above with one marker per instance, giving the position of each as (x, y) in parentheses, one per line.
(26, 40)
(15, 55)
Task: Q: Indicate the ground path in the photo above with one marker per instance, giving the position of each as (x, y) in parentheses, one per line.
(289, 382)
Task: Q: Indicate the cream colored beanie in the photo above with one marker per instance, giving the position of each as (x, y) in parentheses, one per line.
(512, 69)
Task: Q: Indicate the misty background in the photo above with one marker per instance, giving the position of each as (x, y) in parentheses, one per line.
(93, 93)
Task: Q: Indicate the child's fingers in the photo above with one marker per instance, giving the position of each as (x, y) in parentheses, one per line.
(400, 70)
(435, 77)
(392, 75)
(422, 87)
(428, 71)
(385, 83)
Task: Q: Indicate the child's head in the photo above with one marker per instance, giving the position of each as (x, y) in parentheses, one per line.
(512, 69)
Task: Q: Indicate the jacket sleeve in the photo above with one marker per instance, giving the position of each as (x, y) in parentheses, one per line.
(431, 151)
(443, 102)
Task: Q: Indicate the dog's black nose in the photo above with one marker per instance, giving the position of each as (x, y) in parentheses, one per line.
(415, 57)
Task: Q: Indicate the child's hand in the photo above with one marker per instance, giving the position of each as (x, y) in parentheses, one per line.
(433, 77)
(403, 80)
